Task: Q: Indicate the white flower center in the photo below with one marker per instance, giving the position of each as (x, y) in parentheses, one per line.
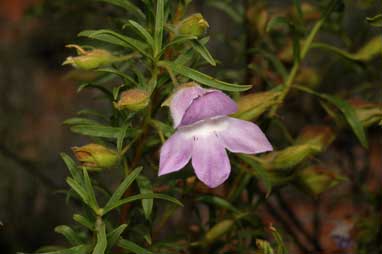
(204, 128)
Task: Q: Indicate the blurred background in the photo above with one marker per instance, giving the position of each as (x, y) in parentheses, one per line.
(37, 94)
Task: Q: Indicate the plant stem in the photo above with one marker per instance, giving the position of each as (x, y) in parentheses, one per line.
(296, 65)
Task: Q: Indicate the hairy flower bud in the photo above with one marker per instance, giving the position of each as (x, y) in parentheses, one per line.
(194, 25)
(95, 157)
(133, 99)
(316, 180)
(88, 60)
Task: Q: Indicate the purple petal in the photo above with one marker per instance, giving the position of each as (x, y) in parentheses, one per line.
(210, 160)
(211, 104)
(182, 100)
(244, 137)
(175, 153)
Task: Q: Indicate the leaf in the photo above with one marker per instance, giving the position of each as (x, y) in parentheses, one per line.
(259, 171)
(178, 40)
(228, 9)
(79, 121)
(132, 247)
(203, 78)
(114, 236)
(350, 116)
(118, 73)
(278, 65)
(118, 193)
(142, 32)
(203, 51)
(127, 5)
(116, 39)
(97, 130)
(90, 191)
(72, 166)
(219, 202)
(297, 4)
(375, 21)
(139, 197)
(78, 189)
(83, 221)
(277, 21)
(98, 87)
(80, 249)
(69, 234)
(145, 187)
(159, 25)
(101, 244)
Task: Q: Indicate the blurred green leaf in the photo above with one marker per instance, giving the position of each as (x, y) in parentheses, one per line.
(276, 22)
(132, 247)
(72, 166)
(98, 130)
(79, 121)
(218, 201)
(145, 187)
(118, 193)
(84, 221)
(259, 171)
(80, 249)
(89, 190)
(114, 236)
(159, 26)
(142, 32)
(69, 234)
(101, 244)
(375, 21)
(127, 5)
(98, 87)
(203, 51)
(79, 190)
(203, 78)
(228, 9)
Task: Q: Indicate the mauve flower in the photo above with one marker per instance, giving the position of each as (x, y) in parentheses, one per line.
(204, 132)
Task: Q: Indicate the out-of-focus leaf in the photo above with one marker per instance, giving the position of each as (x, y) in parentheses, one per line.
(98, 87)
(203, 51)
(79, 121)
(178, 40)
(145, 187)
(142, 32)
(83, 221)
(116, 39)
(78, 189)
(375, 21)
(98, 130)
(81, 249)
(202, 78)
(228, 9)
(69, 234)
(114, 236)
(127, 5)
(139, 197)
(159, 26)
(277, 21)
(278, 65)
(259, 171)
(118, 193)
(218, 230)
(219, 202)
(297, 4)
(122, 75)
(101, 244)
(89, 190)
(132, 247)
(72, 166)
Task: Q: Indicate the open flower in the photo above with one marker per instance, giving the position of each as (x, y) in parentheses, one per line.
(204, 132)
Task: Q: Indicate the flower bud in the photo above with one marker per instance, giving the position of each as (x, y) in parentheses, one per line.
(95, 157)
(88, 60)
(194, 25)
(253, 105)
(317, 136)
(316, 180)
(133, 99)
(368, 113)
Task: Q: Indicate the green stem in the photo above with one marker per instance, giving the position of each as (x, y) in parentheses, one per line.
(296, 65)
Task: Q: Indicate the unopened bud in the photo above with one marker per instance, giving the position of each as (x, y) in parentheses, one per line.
(95, 157)
(88, 60)
(368, 113)
(194, 25)
(317, 180)
(318, 136)
(133, 99)
(253, 105)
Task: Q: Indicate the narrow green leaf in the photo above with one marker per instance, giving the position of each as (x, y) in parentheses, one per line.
(178, 40)
(118, 193)
(116, 39)
(97, 130)
(142, 32)
(203, 78)
(81, 249)
(259, 171)
(297, 5)
(127, 5)
(218, 201)
(69, 234)
(145, 187)
(228, 9)
(101, 244)
(375, 21)
(159, 26)
(84, 221)
(122, 75)
(114, 236)
(132, 247)
(78, 189)
(72, 166)
(90, 191)
(98, 87)
(277, 21)
(203, 51)
(79, 121)
(139, 197)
